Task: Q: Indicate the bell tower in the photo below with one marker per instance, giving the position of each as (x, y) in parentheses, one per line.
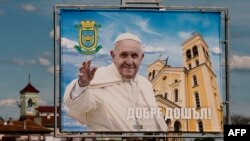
(195, 52)
(29, 97)
(202, 88)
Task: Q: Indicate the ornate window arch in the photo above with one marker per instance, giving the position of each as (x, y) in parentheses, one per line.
(177, 126)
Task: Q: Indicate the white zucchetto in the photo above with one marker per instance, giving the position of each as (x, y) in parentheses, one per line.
(127, 36)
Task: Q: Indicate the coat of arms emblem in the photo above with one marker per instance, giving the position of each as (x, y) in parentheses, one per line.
(88, 37)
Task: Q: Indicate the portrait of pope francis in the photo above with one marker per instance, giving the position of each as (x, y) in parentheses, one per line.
(115, 97)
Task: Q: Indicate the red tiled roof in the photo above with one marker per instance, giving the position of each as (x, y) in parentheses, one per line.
(46, 109)
(27, 118)
(46, 121)
(22, 127)
(29, 88)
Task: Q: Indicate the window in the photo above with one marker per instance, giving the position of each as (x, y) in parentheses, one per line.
(149, 75)
(164, 78)
(188, 54)
(176, 98)
(195, 51)
(175, 80)
(168, 121)
(197, 62)
(200, 125)
(189, 66)
(166, 95)
(30, 102)
(195, 82)
(153, 75)
(177, 126)
(197, 100)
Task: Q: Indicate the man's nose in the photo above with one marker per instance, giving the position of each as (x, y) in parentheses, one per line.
(129, 61)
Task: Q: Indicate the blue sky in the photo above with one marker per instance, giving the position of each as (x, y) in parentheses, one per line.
(162, 33)
(26, 46)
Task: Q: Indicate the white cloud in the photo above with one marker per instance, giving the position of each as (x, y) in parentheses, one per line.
(212, 42)
(42, 102)
(64, 107)
(67, 43)
(51, 69)
(51, 33)
(138, 21)
(107, 30)
(184, 35)
(22, 62)
(1, 12)
(103, 51)
(47, 54)
(216, 50)
(143, 24)
(240, 62)
(44, 61)
(8, 102)
(151, 49)
(28, 7)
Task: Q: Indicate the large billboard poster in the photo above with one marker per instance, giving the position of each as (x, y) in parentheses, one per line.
(178, 86)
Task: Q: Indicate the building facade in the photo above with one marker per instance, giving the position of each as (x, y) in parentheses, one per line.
(188, 96)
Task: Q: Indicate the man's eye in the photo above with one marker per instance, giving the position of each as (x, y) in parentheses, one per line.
(134, 56)
(123, 55)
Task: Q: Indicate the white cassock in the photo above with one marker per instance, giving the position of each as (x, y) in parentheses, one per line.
(105, 105)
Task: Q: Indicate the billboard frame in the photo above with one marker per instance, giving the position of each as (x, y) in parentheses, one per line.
(224, 43)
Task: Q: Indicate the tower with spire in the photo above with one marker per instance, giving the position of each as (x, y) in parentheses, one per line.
(29, 97)
(191, 86)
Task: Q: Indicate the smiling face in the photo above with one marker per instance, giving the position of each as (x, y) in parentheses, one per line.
(127, 56)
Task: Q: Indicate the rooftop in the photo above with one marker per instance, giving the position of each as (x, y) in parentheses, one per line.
(29, 88)
(25, 126)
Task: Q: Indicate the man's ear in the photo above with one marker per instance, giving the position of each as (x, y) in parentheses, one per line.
(112, 54)
(142, 56)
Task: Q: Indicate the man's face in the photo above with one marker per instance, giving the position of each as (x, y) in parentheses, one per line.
(127, 57)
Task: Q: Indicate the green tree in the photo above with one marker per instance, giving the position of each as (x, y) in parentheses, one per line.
(204, 139)
(240, 119)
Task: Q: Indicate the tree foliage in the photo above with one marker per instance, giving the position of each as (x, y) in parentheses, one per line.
(204, 139)
(240, 119)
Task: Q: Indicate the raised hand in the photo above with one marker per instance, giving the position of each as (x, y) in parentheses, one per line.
(86, 74)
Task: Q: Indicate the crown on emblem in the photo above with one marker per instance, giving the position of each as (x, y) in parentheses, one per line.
(88, 24)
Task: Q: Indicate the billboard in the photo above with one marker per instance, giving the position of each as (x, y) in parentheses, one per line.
(179, 84)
